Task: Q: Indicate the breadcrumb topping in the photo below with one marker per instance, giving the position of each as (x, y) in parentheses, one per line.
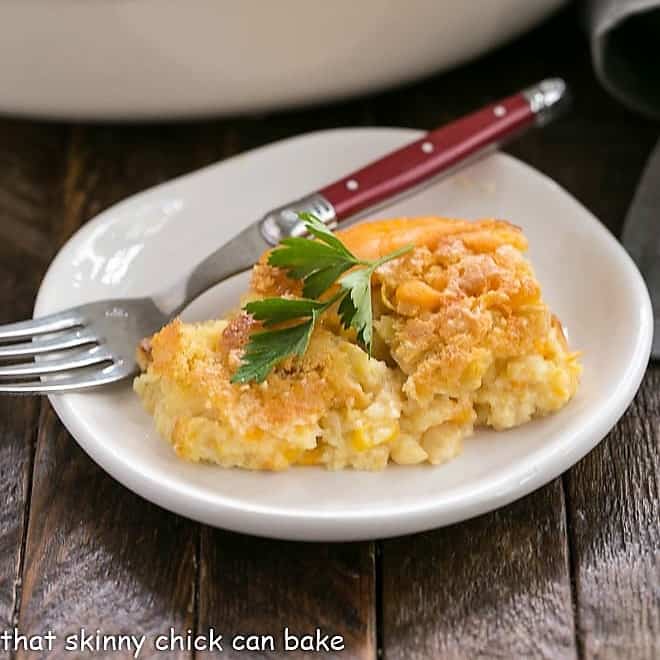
(462, 338)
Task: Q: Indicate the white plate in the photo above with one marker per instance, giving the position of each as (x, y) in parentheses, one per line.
(133, 248)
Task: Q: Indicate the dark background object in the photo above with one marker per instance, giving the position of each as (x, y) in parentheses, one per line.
(641, 236)
(570, 571)
(624, 38)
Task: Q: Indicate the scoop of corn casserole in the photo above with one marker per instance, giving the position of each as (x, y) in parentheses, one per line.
(462, 338)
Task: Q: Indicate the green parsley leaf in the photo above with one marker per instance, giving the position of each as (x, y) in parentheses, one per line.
(390, 257)
(318, 282)
(319, 263)
(355, 310)
(267, 349)
(277, 310)
(300, 256)
(320, 230)
(358, 313)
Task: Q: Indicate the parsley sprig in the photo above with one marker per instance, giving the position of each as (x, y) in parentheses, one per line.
(318, 264)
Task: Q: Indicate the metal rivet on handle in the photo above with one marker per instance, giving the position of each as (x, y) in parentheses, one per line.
(499, 110)
(427, 147)
(352, 184)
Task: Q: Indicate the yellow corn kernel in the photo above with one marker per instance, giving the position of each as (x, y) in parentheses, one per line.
(559, 387)
(292, 454)
(394, 435)
(437, 277)
(407, 451)
(385, 298)
(442, 442)
(471, 376)
(463, 416)
(415, 293)
(311, 456)
(254, 434)
(359, 440)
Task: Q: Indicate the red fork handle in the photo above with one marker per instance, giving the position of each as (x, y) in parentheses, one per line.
(436, 153)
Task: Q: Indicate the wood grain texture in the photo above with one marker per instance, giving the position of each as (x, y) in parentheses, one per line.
(497, 586)
(494, 587)
(250, 585)
(140, 559)
(614, 509)
(464, 600)
(98, 556)
(31, 163)
(30, 159)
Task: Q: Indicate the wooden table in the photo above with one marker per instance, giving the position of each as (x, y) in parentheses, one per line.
(573, 570)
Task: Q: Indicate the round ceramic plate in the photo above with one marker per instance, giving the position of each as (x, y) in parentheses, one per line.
(134, 248)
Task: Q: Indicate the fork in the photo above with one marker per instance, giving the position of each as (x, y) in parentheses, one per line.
(95, 344)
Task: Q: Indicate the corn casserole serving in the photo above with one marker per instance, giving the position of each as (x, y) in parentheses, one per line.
(461, 338)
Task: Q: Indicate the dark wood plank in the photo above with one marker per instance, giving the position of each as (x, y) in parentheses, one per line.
(31, 164)
(614, 508)
(465, 602)
(494, 587)
(98, 556)
(30, 182)
(18, 427)
(250, 585)
(598, 152)
(155, 578)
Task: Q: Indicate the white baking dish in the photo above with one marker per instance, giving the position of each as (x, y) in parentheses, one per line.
(121, 59)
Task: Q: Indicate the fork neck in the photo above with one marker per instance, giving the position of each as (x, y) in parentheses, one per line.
(236, 256)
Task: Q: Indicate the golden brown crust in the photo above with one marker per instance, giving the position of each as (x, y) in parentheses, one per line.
(445, 307)
(238, 330)
(459, 320)
(376, 239)
(207, 368)
(143, 353)
(269, 281)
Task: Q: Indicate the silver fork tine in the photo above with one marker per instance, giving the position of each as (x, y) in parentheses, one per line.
(110, 374)
(28, 349)
(43, 367)
(80, 348)
(51, 323)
